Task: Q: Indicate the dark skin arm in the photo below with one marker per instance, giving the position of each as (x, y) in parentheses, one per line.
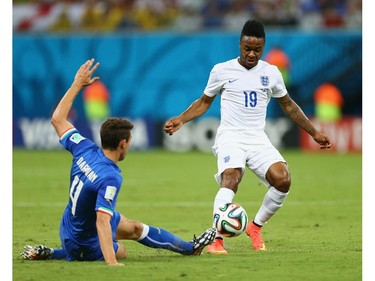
(294, 112)
(196, 109)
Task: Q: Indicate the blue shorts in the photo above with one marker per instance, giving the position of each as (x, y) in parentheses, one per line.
(87, 250)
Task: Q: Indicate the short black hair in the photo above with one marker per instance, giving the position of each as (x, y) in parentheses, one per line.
(253, 28)
(113, 131)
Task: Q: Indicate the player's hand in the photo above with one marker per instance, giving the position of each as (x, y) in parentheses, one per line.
(322, 140)
(116, 264)
(172, 125)
(84, 73)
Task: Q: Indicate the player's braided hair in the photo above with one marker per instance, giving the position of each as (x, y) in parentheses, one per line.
(253, 28)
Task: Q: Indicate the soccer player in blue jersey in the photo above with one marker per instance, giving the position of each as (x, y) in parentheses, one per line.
(90, 226)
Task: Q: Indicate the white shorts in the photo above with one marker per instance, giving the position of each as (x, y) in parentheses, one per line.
(236, 149)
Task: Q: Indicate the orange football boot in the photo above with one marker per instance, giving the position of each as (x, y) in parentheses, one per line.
(253, 231)
(217, 247)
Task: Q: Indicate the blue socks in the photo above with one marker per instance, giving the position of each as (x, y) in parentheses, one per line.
(159, 238)
(58, 254)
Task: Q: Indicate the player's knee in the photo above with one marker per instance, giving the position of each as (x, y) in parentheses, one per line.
(121, 251)
(283, 184)
(281, 180)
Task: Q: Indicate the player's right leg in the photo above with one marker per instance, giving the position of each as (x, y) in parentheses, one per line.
(231, 167)
(223, 196)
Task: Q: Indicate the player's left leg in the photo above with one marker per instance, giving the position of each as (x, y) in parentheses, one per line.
(273, 201)
(160, 238)
(278, 178)
(272, 170)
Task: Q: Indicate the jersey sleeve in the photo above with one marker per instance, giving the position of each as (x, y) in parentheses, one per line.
(72, 141)
(107, 196)
(278, 90)
(214, 85)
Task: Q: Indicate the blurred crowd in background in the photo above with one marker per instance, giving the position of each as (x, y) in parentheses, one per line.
(182, 15)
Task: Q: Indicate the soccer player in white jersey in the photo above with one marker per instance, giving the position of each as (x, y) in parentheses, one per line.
(245, 85)
(90, 226)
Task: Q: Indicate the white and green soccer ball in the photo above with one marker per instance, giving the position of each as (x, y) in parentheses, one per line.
(230, 220)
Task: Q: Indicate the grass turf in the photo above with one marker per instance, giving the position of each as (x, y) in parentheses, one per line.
(316, 235)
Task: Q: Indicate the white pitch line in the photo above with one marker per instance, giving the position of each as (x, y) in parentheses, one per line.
(187, 204)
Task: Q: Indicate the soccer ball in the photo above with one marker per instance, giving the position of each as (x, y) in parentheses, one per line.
(230, 220)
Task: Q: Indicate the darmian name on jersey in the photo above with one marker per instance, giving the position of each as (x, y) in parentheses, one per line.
(76, 138)
(86, 169)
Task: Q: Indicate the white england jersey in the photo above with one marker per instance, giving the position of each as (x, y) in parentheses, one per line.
(245, 93)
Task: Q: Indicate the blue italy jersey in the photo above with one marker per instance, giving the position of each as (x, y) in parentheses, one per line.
(95, 182)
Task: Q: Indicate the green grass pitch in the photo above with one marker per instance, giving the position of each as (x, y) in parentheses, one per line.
(316, 235)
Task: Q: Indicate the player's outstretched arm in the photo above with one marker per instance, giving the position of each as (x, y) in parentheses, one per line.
(82, 78)
(196, 109)
(297, 115)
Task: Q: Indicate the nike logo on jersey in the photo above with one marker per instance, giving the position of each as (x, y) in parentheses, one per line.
(231, 81)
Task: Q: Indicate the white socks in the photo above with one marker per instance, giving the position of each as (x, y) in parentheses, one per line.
(145, 231)
(223, 196)
(273, 200)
